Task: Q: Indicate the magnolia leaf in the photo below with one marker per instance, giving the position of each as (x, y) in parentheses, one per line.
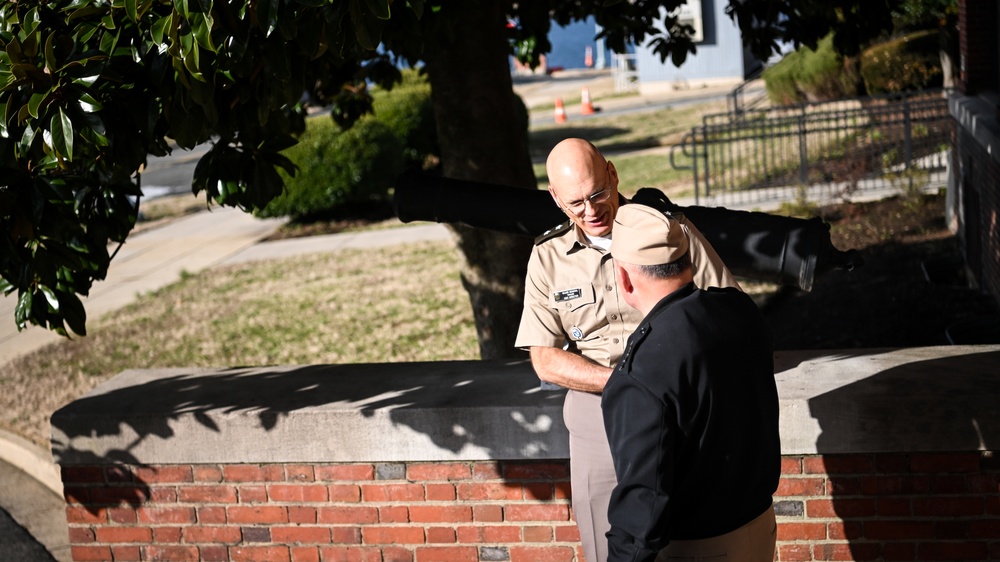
(379, 7)
(73, 312)
(51, 298)
(62, 134)
(131, 10)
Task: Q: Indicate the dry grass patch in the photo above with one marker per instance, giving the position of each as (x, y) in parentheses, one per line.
(390, 305)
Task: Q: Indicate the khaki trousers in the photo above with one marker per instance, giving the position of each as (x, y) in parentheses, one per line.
(592, 472)
(753, 542)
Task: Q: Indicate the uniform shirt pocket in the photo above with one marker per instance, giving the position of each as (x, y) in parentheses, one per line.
(578, 310)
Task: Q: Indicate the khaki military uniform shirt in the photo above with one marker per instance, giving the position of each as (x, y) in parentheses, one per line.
(571, 297)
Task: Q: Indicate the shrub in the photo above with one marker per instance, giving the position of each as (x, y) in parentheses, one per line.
(409, 114)
(337, 168)
(911, 62)
(811, 75)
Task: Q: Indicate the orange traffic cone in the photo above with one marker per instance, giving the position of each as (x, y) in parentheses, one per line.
(560, 111)
(586, 107)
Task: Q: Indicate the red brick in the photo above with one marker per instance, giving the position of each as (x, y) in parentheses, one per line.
(345, 472)
(78, 514)
(952, 551)
(899, 551)
(298, 535)
(273, 472)
(242, 473)
(788, 531)
(392, 535)
(206, 494)
(487, 471)
(538, 491)
(950, 484)
(345, 535)
(207, 473)
(396, 554)
(118, 495)
(166, 535)
(895, 485)
(894, 507)
(447, 554)
(252, 493)
(438, 471)
(440, 535)
(488, 491)
(258, 514)
(344, 493)
(952, 529)
(892, 464)
(259, 554)
(440, 513)
(564, 490)
(794, 552)
(847, 464)
(945, 462)
(124, 534)
(350, 554)
(122, 515)
(211, 535)
(985, 528)
(90, 553)
(162, 494)
(299, 493)
(393, 514)
(392, 492)
(843, 486)
(164, 474)
(897, 530)
(214, 553)
(536, 471)
(984, 483)
(300, 473)
(440, 492)
(791, 465)
(304, 554)
(487, 513)
(537, 513)
(489, 534)
(76, 494)
(948, 506)
(537, 534)
(82, 475)
(119, 474)
(845, 551)
(357, 515)
(541, 554)
(165, 514)
(853, 507)
(211, 514)
(567, 533)
(170, 553)
(126, 553)
(844, 530)
(78, 535)
(301, 514)
(801, 487)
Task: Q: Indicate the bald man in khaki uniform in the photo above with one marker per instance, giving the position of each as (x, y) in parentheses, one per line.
(575, 322)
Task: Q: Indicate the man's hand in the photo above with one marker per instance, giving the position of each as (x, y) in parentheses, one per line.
(568, 370)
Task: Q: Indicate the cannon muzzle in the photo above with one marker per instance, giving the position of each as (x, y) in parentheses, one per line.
(761, 246)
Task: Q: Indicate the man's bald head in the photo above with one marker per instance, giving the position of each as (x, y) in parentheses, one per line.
(584, 185)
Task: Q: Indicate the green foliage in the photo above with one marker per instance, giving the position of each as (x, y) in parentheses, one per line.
(339, 167)
(811, 74)
(911, 62)
(407, 111)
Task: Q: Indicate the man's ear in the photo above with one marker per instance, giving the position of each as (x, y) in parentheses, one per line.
(623, 279)
(554, 198)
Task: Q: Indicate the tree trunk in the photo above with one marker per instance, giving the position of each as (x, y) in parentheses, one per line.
(482, 138)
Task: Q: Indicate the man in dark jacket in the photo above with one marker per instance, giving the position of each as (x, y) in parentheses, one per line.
(691, 410)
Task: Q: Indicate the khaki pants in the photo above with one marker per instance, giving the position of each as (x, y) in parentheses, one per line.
(753, 542)
(592, 472)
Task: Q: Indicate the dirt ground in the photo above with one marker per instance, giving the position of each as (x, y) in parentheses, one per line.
(888, 301)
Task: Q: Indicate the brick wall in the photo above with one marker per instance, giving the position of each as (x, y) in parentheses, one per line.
(937, 506)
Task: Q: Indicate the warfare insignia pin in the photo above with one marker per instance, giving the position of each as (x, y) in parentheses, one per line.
(576, 332)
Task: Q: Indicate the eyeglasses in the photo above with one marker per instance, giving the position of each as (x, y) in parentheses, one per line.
(577, 207)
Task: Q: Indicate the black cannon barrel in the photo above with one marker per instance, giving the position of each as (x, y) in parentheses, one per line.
(784, 250)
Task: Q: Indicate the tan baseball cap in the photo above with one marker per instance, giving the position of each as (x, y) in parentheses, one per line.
(644, 236)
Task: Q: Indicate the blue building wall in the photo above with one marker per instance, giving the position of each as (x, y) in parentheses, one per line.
(720, 55)
(569, 44)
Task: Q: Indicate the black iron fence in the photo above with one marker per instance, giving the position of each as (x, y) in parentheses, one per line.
(819, 150)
